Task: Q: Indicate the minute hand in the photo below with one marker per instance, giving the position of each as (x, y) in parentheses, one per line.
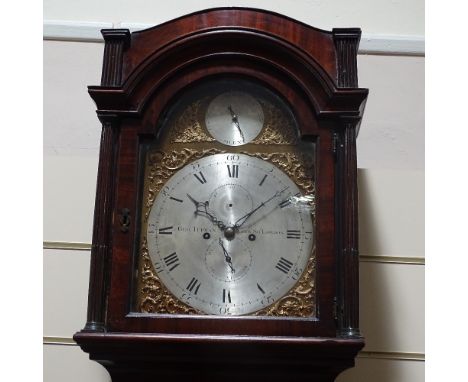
(235, 120)
(244, 218)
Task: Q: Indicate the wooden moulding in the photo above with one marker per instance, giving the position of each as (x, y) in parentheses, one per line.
(205, 358)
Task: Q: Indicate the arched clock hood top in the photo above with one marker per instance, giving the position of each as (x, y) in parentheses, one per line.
(307, 57)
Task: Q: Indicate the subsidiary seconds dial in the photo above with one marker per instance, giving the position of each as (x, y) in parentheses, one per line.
(227, 235)
(234, 118)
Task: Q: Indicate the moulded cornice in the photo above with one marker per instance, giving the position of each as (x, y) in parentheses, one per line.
(260, 48)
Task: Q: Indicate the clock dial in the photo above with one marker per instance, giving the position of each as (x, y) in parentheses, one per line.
(229, 235)
(234, 118)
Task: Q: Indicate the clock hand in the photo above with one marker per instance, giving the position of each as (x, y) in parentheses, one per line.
(236, 122)
(226, 256)
(244, 218)
(197, 203)
(202, 209)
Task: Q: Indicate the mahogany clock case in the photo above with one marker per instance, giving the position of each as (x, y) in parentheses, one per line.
(315, 73)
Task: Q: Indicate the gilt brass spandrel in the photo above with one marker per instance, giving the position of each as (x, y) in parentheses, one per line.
(189, 126)
(278, 129)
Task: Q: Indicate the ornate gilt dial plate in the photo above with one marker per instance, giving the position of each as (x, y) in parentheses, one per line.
(229, 234)
(227, 228)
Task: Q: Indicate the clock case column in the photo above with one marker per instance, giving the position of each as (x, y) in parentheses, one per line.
(321, 66)
(116, 41)
(346, 192)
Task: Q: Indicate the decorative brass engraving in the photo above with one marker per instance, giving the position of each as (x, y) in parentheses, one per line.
(187, 127)
(278, 128)
(153, 296)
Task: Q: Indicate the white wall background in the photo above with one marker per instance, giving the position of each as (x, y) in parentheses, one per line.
(390, 161)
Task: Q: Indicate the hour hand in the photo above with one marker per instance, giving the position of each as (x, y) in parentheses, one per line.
(233, 115)
(226, 256)
(202, 209)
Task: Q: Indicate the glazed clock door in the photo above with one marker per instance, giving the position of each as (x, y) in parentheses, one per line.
(227, 223)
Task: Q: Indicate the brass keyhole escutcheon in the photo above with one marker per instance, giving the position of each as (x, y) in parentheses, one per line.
(124, 220)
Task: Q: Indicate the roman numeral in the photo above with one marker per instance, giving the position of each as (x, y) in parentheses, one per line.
(177, 200)
(166, 230)
(193, 285)
(200, 177)
(260, 288)
(263, 180)
(226, 296)
(293, 234)
(234, 171)
(284, 265)
(173, 260)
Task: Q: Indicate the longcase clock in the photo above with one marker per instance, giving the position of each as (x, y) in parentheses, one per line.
(225, 226)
